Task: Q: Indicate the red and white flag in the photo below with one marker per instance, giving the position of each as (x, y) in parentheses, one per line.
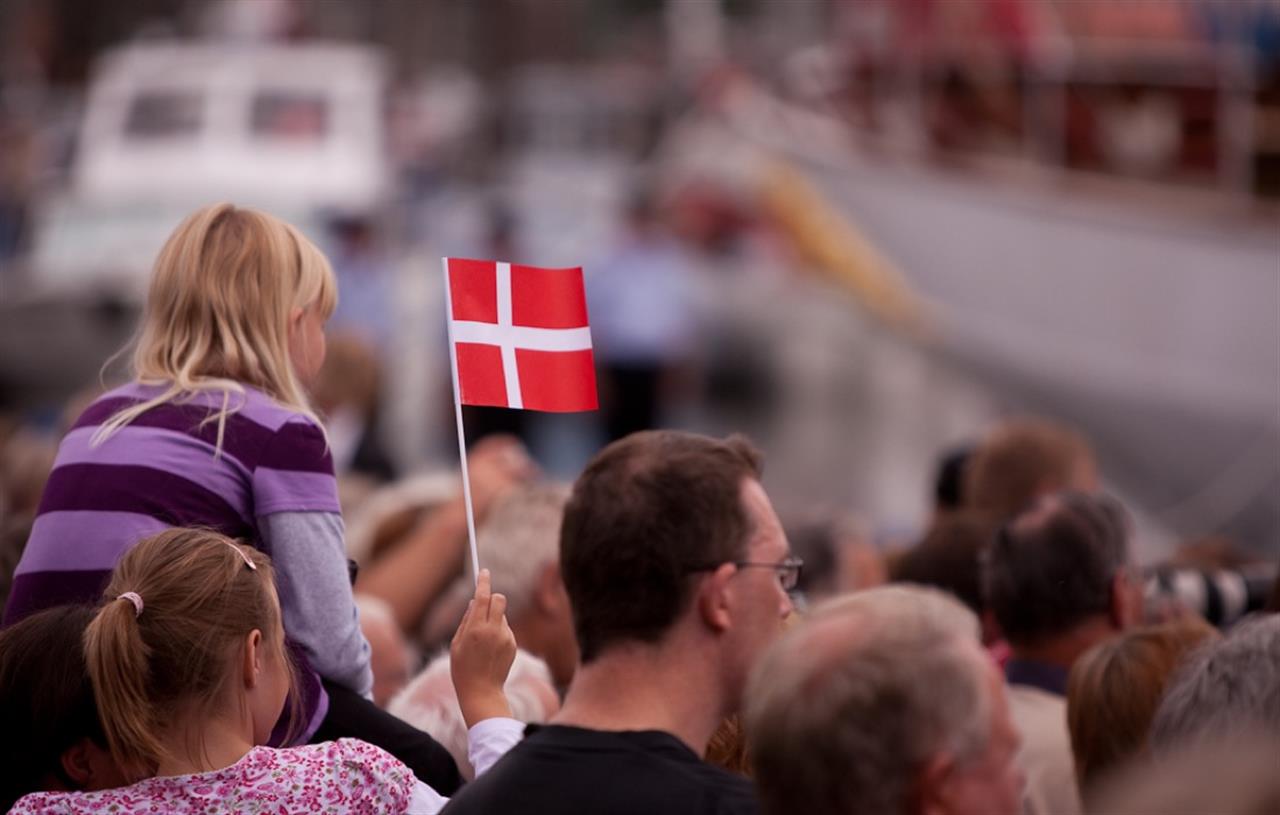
(519, 336)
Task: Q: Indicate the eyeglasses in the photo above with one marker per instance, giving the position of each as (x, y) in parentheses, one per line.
(788, 570)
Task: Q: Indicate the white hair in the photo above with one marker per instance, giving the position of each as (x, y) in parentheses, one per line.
(519, 537)
(845, 709)
(422, 491)
(430, 704)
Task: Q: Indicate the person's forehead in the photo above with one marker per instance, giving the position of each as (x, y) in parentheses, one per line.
(767, 535)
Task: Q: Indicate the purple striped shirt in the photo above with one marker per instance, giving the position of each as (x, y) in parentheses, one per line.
(162, 470)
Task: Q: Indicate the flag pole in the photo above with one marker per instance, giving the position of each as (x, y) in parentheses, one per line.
(462, 439)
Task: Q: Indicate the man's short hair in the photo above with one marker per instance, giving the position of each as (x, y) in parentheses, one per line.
(1228, 687)
(1013, 465)
(845, 709)
(648, 511)
(1052, 567)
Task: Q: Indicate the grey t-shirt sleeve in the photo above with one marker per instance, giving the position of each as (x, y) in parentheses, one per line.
(315, 595)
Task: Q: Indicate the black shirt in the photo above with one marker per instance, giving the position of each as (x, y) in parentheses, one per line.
(575, 771)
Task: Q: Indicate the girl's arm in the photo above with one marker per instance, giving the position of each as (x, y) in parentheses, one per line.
(319, 610)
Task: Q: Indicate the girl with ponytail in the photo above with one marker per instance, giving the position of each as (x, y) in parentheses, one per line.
(189, 669)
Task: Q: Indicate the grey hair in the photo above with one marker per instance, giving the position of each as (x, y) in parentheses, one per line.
(519, 537)
(1230, 686)
(846, 709)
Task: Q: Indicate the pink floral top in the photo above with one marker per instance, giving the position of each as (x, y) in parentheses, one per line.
(337, 777)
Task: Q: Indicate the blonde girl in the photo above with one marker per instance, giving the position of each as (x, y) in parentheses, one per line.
(190, 673)
(216, 431)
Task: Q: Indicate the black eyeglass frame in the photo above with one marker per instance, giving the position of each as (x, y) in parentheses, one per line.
(788, 570)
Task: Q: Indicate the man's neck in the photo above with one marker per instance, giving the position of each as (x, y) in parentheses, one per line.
(1062, 651)
(641, 687)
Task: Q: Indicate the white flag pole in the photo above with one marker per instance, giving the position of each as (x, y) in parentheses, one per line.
(462, 439)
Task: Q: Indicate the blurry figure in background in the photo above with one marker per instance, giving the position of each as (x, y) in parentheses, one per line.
(500, 245)
(411, 570)
(1114, 690)
(519, 544)
(838, 556)
(883, 703)
(639, 297)
(364, 280)
(950, 558)
(1234, 777)
(1230, 688)
(346, 396)
(1021, 460)
(26, 458)
(1058, 581)
(391, 656)
(53, 738)
(430, 703)
(949, 483)
(17, 165)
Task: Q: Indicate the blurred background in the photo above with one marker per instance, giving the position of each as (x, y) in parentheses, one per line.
(859, 231)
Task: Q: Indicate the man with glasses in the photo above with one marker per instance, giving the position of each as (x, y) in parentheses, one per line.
(677, 570)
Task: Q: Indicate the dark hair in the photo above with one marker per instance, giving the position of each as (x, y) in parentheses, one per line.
(950, 558)
(46, 701)
(948, 484)
(646, 512)
(1052, 567)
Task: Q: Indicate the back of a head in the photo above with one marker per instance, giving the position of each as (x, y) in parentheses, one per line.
(1021, 460)
(950, 558)
(1115, 688)
(177, 604)
(1053, 567)
(222, 291)
(46, 702)
(646, 512)
(1228, 687)
(845, 709)
(519, 537)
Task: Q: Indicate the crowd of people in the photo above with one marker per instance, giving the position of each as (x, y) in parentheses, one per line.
(198, 621)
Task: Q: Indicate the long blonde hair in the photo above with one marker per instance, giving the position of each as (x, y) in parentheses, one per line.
(167, 656)
(218, 311)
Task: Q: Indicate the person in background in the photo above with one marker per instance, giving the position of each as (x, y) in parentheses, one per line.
(1228, 688)
(187, 659)
(1058, 581)
(677, 571)
(838, 556)
(883, 702)
(640, 299)
(392, 658)
(1023, 459)
(1114, 690)
(430, 704)
(45, 697)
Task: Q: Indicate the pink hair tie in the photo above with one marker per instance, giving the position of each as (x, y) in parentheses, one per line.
(136, 599)
(243, 556)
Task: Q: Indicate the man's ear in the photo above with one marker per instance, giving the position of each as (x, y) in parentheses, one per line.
(932, 790)
(252, 664)
(549, 596)
(714, 600)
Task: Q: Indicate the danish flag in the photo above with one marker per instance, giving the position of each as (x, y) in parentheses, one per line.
(519, 336)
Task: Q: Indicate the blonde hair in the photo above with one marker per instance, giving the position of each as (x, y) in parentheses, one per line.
(218, 311)
(199, 600)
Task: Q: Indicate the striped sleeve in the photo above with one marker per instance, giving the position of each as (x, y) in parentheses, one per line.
(295, 472)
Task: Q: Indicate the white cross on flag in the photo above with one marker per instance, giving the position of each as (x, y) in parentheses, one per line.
(519, 336)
